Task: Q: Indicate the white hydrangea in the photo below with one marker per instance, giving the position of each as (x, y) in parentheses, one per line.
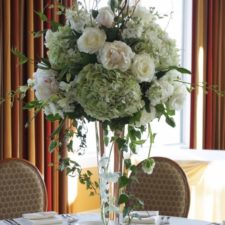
(68, 98)
(146, 117)
(143, 67)
(91, 40)
(144, 14)
(45, 84)
(116, 55)
(157, 43)
(77, 20)
(172, 76)
(159, 92)
(105, 17)
(134, 29)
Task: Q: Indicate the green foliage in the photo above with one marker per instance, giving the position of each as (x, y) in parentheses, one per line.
(123, 198)
(86, 179)
(52, 146)
(22, 58)
(33, 104)
(53, 118)
(39, 33)
(123, 181)
(94, 13)
(113, 4)
(112, 34)
(58, 129)
(161, 73)
(42, 16)
(163, 110)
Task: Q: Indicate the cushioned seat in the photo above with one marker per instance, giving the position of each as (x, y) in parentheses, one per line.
(165, 190)
(22, 189)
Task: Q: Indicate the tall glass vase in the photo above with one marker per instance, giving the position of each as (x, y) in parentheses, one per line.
(110, 168)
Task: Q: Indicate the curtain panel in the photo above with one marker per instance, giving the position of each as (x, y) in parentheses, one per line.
(209, 36)
(18, 21)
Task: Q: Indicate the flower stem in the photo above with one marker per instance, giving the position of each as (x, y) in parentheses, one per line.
(110, 153)
(151, 136)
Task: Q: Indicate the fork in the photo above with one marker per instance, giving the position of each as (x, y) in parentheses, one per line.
(11, 221)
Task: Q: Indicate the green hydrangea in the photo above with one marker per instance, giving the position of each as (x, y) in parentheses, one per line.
(107, 94)
(62, 49)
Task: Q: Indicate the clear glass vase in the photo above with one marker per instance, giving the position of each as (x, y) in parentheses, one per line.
(109, 160)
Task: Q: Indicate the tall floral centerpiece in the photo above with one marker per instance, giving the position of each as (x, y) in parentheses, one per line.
(116, 66)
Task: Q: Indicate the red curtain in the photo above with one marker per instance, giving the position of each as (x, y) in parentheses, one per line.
(18, 20)
(213, 41)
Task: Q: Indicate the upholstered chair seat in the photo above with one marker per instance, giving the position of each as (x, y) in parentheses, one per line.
(22, 189)
(165, 190)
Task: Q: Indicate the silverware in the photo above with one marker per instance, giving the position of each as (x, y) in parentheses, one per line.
(161, 220)
(164, 220)
(214, 224)
(69, 218)
(6, 221)
(167, 220)
(11, 221)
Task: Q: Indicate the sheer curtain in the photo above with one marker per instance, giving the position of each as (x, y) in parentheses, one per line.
(18, 20)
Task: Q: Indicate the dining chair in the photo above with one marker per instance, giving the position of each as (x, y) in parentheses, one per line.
(22, 189)
(165, 190)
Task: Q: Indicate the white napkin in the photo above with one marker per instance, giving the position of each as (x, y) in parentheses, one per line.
(42, 218)
(54, 220)
(143, 217)
(39, 215)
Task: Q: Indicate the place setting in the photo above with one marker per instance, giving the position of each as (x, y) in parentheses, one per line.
(41, 218)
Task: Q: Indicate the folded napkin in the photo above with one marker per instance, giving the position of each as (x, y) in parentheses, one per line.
(143, 217)
(46, 221)
(39, 215)
(54, 220)
(42, 218)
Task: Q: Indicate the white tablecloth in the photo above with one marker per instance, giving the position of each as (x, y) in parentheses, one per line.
(96, 217)
(173, 220)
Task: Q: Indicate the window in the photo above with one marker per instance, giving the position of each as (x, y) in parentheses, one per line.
(178, 24)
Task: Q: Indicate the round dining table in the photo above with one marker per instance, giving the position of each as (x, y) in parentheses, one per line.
(94, 217)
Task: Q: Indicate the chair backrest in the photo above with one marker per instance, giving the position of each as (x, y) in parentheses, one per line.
(166, 190)
(22, 189)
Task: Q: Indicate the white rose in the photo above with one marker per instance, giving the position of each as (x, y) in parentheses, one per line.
(178, 98)
(159, 92)
(143, 67)
(45, 84)
(105, 17)
(91, 40)
(146, 117)
(116, 55)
